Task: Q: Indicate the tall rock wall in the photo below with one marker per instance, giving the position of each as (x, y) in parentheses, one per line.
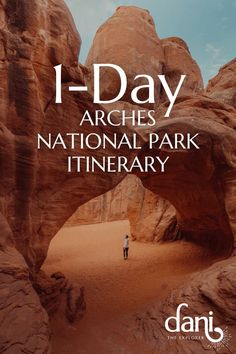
(37, 195)
(152, 218)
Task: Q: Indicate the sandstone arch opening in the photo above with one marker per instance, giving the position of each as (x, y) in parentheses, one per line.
(115, 290)
(91, 256)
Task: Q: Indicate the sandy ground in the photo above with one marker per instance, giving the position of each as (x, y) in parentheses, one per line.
(115, 289)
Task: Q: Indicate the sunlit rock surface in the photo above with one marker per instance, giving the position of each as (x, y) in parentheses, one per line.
(223, 86)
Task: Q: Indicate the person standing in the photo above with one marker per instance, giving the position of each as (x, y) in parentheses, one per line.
(126, 247)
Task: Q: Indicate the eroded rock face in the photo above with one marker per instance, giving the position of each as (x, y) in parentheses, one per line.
(202, 106)
(169, 56)
(37, 194)
(32, 37)
(178, 61)
(24, 322)
(214, 288)
(197, 192)
(223, 86)
(210, 290)
(152, 219)
(110, 206)
(40, 195)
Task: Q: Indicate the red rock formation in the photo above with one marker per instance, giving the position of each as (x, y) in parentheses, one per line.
(110, 206)
(142, 57)
(152, 219)
(172, 58)
(195, 181)
(38, 195)
(32, 38)
(178, 61)
(223, 86)
(202, 106)
(41, 195)
(210, 290)
(23, 321)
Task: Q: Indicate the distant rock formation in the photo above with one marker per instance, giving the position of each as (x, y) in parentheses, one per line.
(152, 218)
(143, 56)
(38, 195)
(178, 61)
(223, 86)
(110, 206)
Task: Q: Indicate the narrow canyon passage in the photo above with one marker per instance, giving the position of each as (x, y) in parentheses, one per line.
(115, 289)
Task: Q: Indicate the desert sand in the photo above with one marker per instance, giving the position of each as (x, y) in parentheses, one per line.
(115, 289)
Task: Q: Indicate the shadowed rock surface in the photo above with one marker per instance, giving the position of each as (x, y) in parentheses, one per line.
(24, 322)
(152, 218)
(38, 195)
